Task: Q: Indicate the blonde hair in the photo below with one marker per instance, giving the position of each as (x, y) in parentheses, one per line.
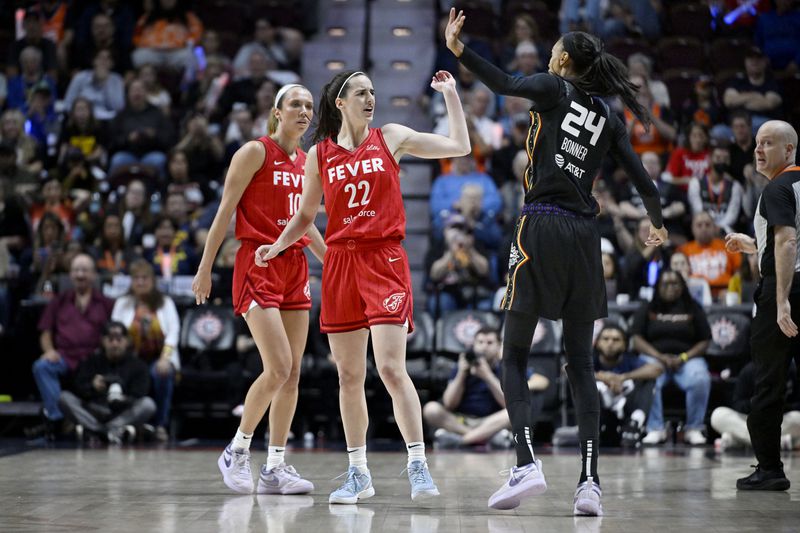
(273, 122)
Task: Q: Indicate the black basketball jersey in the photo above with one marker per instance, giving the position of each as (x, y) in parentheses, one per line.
(570, 133)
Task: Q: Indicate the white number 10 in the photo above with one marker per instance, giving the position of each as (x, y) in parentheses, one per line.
(586, 119)
(294, 203)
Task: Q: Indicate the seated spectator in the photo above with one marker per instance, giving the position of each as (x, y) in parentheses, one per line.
(511, 144)
(71, 327)
(32, 74)
(112, 253)
(141, 133)
(157, 96)
(168, 258)
(446, 190)
(42, 123)
(53, 202)
(776, 34)
(204, 151)
(691, 161)
(731, 422)
(757, 93)
(698, 287)
(269, 41)
(527, 60)
(642, 262)
(265, 99)
(110, 399)
(243, 91)
(472, 409)
(641, 65)
(708, 257)
(163, 34)
(717, 193)
(180, 182)
(611, 19)
(34, 37)
(744, 143)
(41, 264)
(611, 273)
(625, 382)
(211, 45)
(84, 132)
(30, 156)
(100, 86)
(703, 106)
(104, 34)
(461, 274)
(177, 208)
(661, 134)
(673, 329)
(154, 327)
(203, 93)
(523, 29)
(136, 217)
(18, 183)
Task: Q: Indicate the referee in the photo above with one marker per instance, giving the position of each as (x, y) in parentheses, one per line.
(774, 339)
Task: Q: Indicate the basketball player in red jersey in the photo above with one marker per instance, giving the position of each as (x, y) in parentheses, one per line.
(366, 285)
(263, 185)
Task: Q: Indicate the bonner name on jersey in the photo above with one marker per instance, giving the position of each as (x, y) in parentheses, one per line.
(359, 168)
(287, 179)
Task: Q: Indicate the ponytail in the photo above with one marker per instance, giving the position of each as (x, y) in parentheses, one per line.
(600, 73)
(329, 118)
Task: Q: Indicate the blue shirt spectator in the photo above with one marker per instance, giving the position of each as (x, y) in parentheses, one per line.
(777, 35)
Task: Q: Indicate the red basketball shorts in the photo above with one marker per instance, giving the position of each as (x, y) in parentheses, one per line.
(365, 285)
(282, 285)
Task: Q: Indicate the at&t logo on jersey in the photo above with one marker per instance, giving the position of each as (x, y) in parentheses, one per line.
(560, 160)
(393, 302)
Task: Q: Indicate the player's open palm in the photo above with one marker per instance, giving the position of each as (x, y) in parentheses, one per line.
(441, 80)
(453, 30)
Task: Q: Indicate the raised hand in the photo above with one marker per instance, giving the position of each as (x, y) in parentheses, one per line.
(453, 31)
(442, 80)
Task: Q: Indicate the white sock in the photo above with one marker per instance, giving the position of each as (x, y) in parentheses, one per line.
(639, 417)
(242, 440)
(416, 451)
(275, 456)
(358, 457)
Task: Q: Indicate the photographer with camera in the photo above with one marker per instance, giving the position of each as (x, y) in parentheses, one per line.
(110, 397)
(472, 410)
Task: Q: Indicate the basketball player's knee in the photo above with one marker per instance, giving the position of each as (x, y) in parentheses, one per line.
(391, 374)
(278, 371)
(351, 378)
(432, 412)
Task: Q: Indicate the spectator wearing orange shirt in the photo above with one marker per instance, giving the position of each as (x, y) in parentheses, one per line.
(707, 255)
(162, 36)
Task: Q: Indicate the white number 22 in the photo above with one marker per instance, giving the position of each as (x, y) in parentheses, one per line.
(352, 190)
(584, 118)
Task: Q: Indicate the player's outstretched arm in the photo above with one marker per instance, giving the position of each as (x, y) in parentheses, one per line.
(404, 140)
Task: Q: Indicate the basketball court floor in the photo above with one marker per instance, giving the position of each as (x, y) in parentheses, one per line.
(180, 490)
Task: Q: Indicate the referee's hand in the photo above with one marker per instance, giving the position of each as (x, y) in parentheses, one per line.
(785, 322)
(657, 237)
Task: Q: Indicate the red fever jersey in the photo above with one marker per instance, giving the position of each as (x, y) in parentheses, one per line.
(272, 197)
(362, 191)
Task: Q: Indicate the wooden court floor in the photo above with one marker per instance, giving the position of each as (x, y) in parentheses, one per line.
(180, 490)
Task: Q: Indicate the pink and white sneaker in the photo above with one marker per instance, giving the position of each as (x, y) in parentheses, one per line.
(283, 479)
(523, 481)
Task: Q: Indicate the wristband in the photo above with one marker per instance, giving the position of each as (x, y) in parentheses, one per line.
(684, 357)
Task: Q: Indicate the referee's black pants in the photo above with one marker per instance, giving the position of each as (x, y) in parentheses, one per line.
(772, 353)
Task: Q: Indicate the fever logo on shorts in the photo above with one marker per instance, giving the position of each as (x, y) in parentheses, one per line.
(307, 290)
(393, 302)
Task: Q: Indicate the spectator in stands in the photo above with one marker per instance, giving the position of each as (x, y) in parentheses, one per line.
(642, 262)
(75, 175)
(70, 327)
(179, 181)
(157, 96)
(100, 86)
(12, 132)
(169, 258)
(731, 422)
(612, 19)
(141, 133)
(265, 99)
(743, 145)
(269, 41)
(707, 255)
(112, 253)
(53, 201)
(154, 326)
(776, 34)
(641, 65)
(32, 74)
(472, 408)
(527, 59)
(84, 132)
(757, 93)
(716, 192)
(673, 329)
(204, 151)
(698, 287)
(511, 144)
(19, 183)
(212, 50)
(41, 263)
(512, 192)
(446, 190)
(163, 34)
(103, 36)
(110, 398)
(611, 273)
(484, 224)
(136, 217)
(203, 93)
(523, 29)
(32, 26)
(662, 132)
(461, 274)
(177, 209)
(691, 161)
(703, 106)
(14, 230)
(625, 382)
(42, 123)
(243, 91)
